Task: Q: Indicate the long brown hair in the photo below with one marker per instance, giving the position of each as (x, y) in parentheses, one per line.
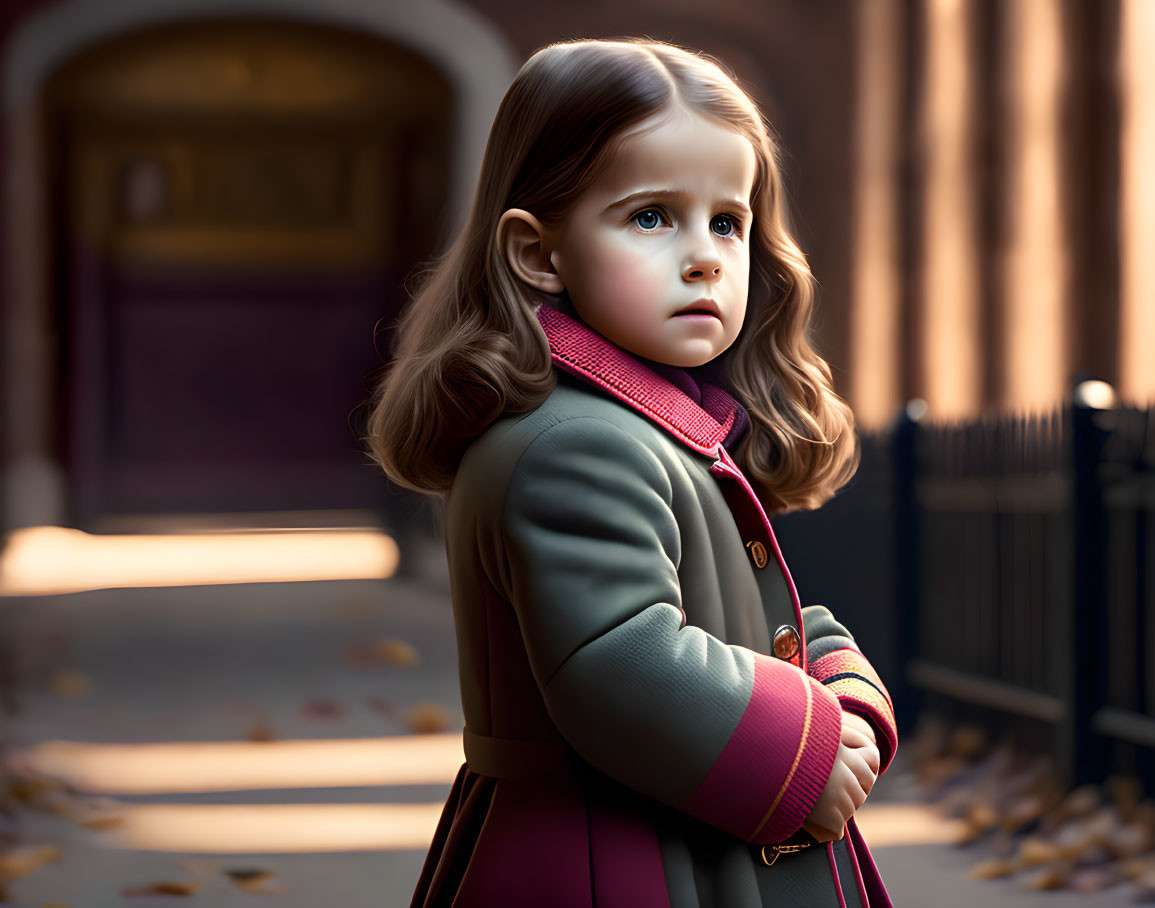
(469, 346)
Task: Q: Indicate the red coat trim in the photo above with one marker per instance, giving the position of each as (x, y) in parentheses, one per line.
(793, 764)
(848, 674)
(583, 352)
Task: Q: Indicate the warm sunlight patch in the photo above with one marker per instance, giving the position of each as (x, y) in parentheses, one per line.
(240, 765)
(50, 560)
(273, 828)
(886, 825)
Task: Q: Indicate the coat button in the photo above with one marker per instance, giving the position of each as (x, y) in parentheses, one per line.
(757, 553)
(786, 642)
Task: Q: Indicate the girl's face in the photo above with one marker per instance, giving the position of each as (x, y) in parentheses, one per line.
(655, 254)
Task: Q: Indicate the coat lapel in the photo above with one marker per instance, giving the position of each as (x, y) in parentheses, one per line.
(583, 352)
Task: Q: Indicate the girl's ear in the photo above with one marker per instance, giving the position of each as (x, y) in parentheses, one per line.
(523, 239)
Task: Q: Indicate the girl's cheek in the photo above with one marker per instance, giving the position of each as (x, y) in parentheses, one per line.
(633, 285)
(626, 276)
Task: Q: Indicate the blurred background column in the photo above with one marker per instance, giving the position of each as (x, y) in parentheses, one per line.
(1033, 266)
(949, 370)
(875, 311)
(1137, 200)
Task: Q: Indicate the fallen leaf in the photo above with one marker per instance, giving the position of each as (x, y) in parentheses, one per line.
(389, 650)
(248, 874)
(1022, 812)
(29, 788)
(91, 812)
(1036, 852)
(967, 741)
(983, 815)
(161, 889)
(968, 833)
(1137, 868)
(992, 869)
(71, 684)
(258, 881)
(1078, 803)
(56, 802)
(1129, 840)
(428, 718)
(396, 652)
(261, 731)
(23, 859)
(1050, 878)
(1076, 839)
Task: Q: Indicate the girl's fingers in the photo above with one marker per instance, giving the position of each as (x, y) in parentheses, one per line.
(853, 720)
(859, 798)
(864, 747)
(863, 774)
(853, 737)
(834, 817)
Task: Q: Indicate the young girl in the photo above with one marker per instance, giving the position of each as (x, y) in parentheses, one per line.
(608, 378)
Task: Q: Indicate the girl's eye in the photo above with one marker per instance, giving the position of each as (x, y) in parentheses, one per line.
(724, 225)
(649, 219)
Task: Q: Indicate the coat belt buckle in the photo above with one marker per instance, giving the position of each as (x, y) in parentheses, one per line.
(780, 850)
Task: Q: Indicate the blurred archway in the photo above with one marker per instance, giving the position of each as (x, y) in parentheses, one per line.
(196, 205)
(235, 205)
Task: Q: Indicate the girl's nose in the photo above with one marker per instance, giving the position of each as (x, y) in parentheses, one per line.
(703, 268)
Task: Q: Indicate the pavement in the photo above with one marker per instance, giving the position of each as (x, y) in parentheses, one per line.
(276, 663)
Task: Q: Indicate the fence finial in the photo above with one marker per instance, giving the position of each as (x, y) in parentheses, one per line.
(1095, 394)
(916, 409)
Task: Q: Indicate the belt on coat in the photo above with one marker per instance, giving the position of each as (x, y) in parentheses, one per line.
(517, 759)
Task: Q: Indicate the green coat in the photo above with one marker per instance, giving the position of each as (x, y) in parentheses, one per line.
(618, 595)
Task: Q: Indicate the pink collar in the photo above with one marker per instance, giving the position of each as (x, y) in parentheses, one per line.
(581, 351)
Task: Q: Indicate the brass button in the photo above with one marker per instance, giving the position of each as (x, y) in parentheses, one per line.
(786, 642)
(757, 552)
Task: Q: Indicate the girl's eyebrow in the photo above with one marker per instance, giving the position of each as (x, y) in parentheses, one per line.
(741, 206)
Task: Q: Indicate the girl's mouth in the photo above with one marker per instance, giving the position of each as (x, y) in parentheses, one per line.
(700, 309)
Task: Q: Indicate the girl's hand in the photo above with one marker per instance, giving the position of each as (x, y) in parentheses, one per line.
(823, 835)
(845, 791)
(857, 733)
(855, 721)
(852, 777)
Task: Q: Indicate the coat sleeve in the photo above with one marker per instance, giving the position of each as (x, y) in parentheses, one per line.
(834, 659)
(735, 738)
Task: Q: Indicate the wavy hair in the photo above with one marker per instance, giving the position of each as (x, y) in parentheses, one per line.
(469, 347)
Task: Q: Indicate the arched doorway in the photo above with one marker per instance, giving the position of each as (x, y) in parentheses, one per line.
(234, 205)
(471, 53)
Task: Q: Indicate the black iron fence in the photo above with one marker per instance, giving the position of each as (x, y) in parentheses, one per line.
(997, 572)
